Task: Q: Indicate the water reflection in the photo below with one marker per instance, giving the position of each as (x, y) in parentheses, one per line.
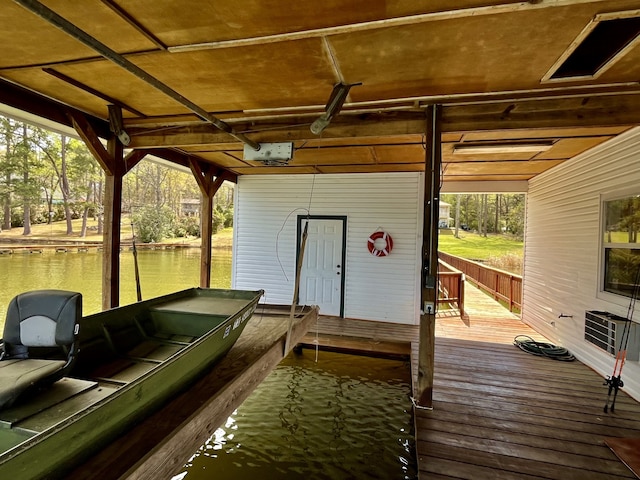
(343, 417)
(161, 272)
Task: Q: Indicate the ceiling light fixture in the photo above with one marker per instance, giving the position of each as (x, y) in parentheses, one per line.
(494, 148)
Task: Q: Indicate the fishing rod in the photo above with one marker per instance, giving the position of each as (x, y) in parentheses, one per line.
(135, 264)
(615, 382)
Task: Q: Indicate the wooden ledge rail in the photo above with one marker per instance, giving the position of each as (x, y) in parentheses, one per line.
(503, 286)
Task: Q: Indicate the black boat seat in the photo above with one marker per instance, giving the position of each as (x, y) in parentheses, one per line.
(39, 341)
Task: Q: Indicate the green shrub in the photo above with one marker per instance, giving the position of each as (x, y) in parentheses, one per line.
(187, 226)
(153, 224)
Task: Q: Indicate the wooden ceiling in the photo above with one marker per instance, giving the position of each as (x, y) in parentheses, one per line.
(267, 67)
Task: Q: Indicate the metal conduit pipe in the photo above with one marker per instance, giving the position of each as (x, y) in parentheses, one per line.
(70, 29)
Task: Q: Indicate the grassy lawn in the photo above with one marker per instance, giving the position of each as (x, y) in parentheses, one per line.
(55, 230)
(473, 246)
(58, 230)
(499, 251)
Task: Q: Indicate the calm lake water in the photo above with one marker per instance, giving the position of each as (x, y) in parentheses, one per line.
(161, 272)
(344, 417)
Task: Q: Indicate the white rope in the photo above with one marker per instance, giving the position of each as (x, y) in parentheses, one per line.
(420, 407)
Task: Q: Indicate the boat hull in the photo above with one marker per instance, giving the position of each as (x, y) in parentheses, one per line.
(137, 386)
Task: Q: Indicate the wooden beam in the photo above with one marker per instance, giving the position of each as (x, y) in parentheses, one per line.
(133, 158)
(429, 274)
(40, 106)
(72, 81)
(579, 111)
(88, 134)
(343, 126)
(122, 13)
(203, 172)
(206, 231)
(112, 220)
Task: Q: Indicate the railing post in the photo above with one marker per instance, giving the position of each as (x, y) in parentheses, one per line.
(489, 279)
(511, 293)
(461, 296)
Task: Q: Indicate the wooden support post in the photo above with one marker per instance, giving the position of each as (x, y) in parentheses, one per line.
(206, 231)
(112, 220)
(208, 188)
(112, 162)
(429, 274)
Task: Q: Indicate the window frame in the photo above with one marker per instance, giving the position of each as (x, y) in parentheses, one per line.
(609, 296)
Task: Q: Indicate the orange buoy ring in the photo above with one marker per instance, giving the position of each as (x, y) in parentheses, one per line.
(380, 252)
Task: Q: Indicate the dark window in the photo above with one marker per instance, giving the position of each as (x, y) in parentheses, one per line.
(606, 40)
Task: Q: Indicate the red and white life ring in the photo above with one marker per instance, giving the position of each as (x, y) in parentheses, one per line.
(380, 252)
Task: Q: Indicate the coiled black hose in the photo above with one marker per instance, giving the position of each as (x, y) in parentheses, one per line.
(542, 349)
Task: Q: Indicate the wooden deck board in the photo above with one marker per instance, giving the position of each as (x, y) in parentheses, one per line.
(500, 413)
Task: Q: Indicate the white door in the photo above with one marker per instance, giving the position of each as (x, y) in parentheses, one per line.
(322, 269)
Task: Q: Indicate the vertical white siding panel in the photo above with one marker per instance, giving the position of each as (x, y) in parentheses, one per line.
(562, 248)
(376, 288)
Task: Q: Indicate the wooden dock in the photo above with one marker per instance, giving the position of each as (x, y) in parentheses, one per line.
(69, 247)
(161, 445)
(500, 413)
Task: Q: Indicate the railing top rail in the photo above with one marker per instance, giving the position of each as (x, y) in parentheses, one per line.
(497, 270)
(451, 268)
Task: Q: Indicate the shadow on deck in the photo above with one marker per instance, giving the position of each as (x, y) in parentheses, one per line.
(500, 413)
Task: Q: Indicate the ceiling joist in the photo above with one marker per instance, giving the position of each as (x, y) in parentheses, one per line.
(69, 28)
(578, 112)
(261, 75)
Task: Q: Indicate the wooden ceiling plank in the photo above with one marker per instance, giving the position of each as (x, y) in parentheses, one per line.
(383, 23)
(543, 133)
(92, 91)
(532, 167)
(269, 170)
(36, 104)
(122, 13)
(63, 24)
(570, 147)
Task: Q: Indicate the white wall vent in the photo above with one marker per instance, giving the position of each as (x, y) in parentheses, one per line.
(604, 330)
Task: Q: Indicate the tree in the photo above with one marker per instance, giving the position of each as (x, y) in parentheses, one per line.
(28, 188)
(457, 219)
(489, 213)
(153, 224)
(9, 167)
(84, 173)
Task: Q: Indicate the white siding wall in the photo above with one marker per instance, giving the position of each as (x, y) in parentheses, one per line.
(562, 248)
(377, 288)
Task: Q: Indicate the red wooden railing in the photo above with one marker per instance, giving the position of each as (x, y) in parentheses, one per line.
(503, 286)
(450, 286)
